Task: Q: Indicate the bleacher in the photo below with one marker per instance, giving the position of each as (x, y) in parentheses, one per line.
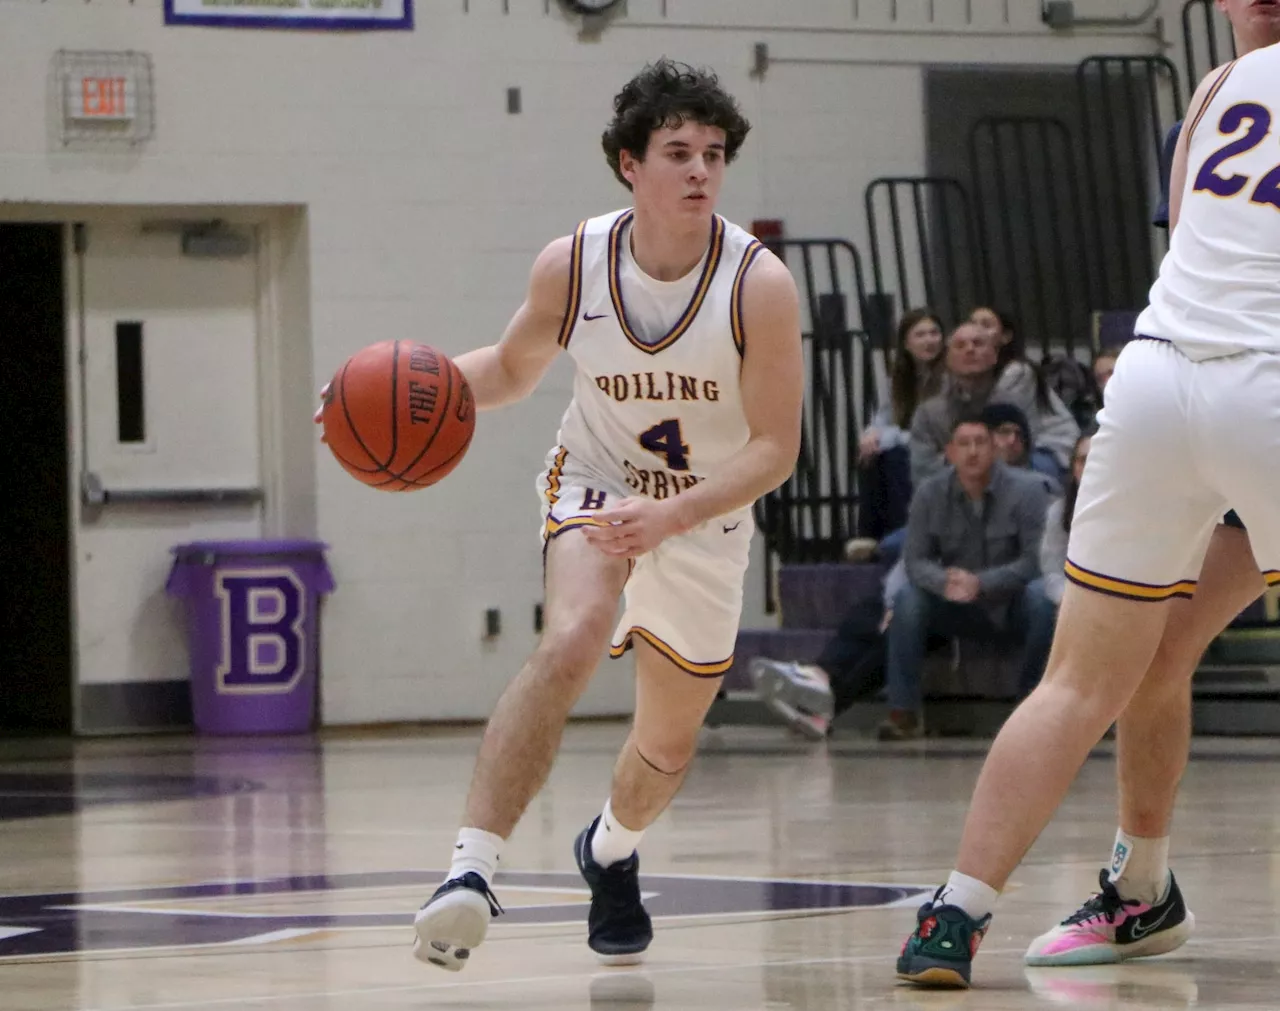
(933, 241)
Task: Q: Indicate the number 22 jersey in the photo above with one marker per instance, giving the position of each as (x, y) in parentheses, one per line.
(1218, 292)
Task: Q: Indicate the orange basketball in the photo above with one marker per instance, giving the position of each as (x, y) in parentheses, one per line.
(399, 416)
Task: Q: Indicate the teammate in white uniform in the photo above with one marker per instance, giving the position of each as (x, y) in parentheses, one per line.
(686, 407)
(1188, 427)
(1138, 909)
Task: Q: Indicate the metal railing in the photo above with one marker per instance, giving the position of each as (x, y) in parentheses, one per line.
(935, 253)
(1031, 226)
(1206, 31)
(1127, 104)
(811, 516)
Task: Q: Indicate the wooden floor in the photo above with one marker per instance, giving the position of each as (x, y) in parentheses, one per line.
(283, 874)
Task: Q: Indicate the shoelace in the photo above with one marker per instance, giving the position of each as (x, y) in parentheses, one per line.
(476, 883)
(621, 890)
(1106, 904)
(494, 907)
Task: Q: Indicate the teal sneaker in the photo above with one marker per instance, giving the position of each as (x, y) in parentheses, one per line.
(941, 950)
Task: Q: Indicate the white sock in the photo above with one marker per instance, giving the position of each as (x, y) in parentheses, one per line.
(973, 896)
(612, 841)
(1140, 867)
(476, 850)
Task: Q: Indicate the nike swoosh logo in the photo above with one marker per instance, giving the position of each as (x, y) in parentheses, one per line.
(1141, 930)
(729, 530)
(588, 317)
(457, 846)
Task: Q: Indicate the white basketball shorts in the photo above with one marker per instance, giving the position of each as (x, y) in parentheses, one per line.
(684, 598)
(1179, 443)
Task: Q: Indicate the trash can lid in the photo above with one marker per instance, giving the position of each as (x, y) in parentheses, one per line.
(290, 546)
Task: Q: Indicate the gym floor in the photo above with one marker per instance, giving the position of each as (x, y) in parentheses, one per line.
(181, 872)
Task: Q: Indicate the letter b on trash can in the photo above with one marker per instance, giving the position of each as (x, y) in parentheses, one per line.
(253, 631)
(264, 613)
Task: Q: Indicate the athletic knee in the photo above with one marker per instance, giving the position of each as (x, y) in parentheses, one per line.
(1176, 660)
(571, 650)
(668, 752)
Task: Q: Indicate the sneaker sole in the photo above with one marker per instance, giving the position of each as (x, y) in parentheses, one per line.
(448, 928)
(794, 720)
(936, 976)
(772, 686)
(1160, 943)
(626, 958)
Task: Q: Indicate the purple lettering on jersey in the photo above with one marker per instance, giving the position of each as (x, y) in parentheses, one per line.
(1259, 119)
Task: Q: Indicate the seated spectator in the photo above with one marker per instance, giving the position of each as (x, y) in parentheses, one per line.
(1044, 595)
(966, 386)
(852, 665)
(1073, 381)
(1053, 428)
(884, 483)
(973, 543)
(1011, 434)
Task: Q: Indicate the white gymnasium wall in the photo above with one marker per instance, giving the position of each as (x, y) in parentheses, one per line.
(424, 204)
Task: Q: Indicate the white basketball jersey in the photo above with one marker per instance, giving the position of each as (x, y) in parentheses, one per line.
(655, 412)
(1219, 286)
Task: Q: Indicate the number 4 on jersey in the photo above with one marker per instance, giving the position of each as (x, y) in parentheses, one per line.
(664, 439)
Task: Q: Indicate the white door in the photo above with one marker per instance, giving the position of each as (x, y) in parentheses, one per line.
(171, 411)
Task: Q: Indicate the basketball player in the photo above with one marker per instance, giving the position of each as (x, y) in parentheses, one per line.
(1188, 424)
(685, 336)
(1153, 736)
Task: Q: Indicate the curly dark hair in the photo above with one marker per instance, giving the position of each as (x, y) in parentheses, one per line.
(666, 94)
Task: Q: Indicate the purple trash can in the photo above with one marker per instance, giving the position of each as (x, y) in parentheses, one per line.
(253, 632)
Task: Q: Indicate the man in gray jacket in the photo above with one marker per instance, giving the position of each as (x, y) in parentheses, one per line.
(973, 543)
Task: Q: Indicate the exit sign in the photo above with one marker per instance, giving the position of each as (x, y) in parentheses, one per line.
(111, 97)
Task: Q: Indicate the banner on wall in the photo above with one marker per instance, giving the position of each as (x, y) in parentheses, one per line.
(322, 14)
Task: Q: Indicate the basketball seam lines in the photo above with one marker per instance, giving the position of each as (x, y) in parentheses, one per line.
(395, 407)
(342, 395)
(448, 399)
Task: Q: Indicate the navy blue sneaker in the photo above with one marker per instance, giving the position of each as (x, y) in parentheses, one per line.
(453, 921)
(940, 951)
(618, 928)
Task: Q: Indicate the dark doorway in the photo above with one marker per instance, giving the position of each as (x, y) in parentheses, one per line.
(35, 697)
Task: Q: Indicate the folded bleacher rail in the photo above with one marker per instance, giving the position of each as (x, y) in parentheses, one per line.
(1127, 104)
(1031, 227)
(1207, 32)
(811, 516)
(933, 249)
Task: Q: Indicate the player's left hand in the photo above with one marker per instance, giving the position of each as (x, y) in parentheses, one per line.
(318, 417)
(633, 527)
